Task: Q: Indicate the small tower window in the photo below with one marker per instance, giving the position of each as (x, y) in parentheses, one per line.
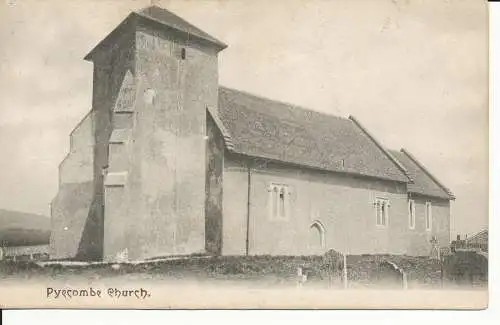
(282, 203)
(183, 53)
(274, 202)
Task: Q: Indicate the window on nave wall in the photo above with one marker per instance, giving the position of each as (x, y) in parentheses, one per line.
(279, 201)
(411, 214)
(428, 216)
(382, 212)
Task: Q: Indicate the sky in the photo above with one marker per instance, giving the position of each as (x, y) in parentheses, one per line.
(414, 72)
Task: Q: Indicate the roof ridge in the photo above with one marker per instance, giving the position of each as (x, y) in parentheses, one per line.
(149, 7)
(381, 147)
(145, 12)
(393, 150)
(426, 171)
(291, 105)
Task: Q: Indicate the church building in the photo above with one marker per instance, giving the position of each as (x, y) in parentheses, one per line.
(169, 162)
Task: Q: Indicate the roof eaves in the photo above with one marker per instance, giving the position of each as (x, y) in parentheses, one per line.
(228, 141)
(310, 167)
(110, 36)
(412, 158)
(379, 145)
(425, 194)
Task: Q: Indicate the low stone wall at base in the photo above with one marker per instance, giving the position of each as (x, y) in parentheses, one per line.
(365, 271)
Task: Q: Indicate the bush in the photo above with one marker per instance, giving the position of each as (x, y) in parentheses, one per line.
(11, 267)
(466, 267)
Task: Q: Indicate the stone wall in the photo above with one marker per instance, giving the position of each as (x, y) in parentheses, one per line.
(71, 207)
(155, 200)
(214, 188)
(420, 237)
(342, 204)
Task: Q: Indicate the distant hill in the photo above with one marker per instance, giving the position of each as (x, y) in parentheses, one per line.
(23, 229)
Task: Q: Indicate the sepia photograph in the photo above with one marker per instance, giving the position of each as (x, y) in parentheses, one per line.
(231, 154)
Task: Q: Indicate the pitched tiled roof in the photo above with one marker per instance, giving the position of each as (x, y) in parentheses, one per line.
(424, 182)
(268, 129)
(160, 16)
(168, 18)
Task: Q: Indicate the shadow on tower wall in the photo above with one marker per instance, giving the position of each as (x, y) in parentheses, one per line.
(90, 247)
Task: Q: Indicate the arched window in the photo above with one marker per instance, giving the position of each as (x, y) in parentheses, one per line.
(317, 234)
(428, 216)
(279, 201)
(382, 212)
(411, 214)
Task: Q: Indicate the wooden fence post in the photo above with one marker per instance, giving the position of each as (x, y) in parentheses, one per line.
(442, 268)
(345, 271)
(405, 281)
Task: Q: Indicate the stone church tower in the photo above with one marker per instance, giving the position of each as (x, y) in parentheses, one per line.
(143, 145)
